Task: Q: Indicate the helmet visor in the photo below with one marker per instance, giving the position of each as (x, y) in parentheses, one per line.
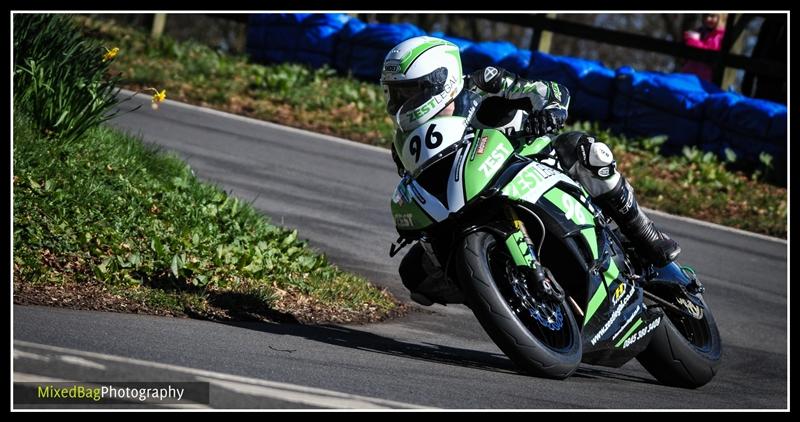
(411, 94)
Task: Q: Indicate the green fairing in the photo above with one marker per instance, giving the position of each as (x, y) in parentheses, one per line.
(408, 215)
(578, 213)
(611, 274)
(594, 303)
(573, 210)
(535, 147)
(608, 277)
(480, 170)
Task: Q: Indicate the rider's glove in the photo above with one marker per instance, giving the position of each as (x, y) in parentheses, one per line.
(542, 122)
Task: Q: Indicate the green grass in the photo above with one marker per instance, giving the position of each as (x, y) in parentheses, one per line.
(108, 209)
(695, 185)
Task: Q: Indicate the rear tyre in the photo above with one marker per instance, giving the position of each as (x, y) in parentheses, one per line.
(684, 351)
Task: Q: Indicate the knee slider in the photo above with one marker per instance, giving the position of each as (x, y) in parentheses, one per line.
(596, 157)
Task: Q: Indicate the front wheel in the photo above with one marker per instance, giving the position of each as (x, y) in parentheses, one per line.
(684, 351)
(539, 335)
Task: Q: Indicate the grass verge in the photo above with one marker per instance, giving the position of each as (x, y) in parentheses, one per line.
(106, 222)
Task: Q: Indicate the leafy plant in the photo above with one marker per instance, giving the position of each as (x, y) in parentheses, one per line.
(61, 79)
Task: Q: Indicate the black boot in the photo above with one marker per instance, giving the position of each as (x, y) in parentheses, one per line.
(425, 281)
(653, 245)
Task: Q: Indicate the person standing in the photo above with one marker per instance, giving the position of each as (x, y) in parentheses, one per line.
(708, 37)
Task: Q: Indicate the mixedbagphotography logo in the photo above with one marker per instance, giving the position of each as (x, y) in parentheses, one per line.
(111, 393)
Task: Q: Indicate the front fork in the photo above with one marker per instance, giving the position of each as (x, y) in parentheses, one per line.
(522, 251)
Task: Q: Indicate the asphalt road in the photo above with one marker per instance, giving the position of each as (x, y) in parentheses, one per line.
(337, 194)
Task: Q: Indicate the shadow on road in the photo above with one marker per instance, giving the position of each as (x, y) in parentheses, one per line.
(365, 341)
(362, 340)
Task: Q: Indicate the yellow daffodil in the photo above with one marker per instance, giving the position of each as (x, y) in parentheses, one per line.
(160, 96)
(110, 54)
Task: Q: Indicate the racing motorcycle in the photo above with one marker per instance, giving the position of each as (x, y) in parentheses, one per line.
(551, 280)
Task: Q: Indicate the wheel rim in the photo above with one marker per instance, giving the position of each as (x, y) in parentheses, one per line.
(543, 318)
(695, 331)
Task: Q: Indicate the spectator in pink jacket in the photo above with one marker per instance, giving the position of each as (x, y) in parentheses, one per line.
(708, 37)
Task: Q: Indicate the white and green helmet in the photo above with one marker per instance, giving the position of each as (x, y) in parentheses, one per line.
(420, 77)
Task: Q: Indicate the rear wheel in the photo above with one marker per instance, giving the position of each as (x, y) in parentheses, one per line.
(684, 351)
(540, 335)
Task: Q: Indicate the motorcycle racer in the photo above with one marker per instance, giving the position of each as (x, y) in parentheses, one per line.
(422, 78)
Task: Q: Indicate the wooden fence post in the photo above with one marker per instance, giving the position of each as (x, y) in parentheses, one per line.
(159, 21)
(541, 39)
(729, 75)
(546, 39)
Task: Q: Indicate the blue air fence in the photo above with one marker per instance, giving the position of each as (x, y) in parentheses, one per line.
(691, 112)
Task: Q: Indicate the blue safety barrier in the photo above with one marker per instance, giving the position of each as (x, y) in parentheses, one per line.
(690, 111)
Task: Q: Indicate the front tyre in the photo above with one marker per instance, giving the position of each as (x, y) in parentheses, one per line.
(684, 351)
(540, 337)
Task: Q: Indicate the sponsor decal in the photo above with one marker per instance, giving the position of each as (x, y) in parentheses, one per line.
(628, 204)
(572, 209)
(495, 160)
(404, 220)
(599, 154)
(391, 66)
(400, 196)
(530, 182)
(625, 325)
(545, 171)
(397, 198)
(523, 183)
(489, 73)
(603, 172)
(641, 333)
(614, 315)
(618, 293)
(433, 102)
(471, 111)
(694, 310)
(482, 144)
(424, 109)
